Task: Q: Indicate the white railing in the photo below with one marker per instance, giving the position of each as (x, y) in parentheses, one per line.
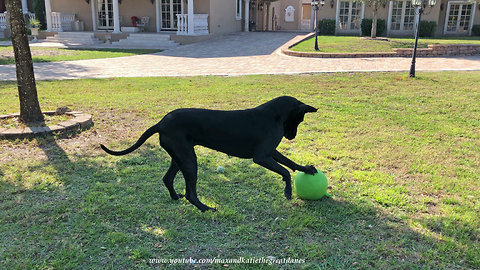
(3, 20)
(200, 24)
(62, 21)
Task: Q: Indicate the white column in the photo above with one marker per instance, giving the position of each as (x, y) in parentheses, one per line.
(389, 18)
(116, 17)
(24, 6)
(158, 14)
(191, 28)
(48, 14)
(247, 16)
(94, 15)
(312, 19)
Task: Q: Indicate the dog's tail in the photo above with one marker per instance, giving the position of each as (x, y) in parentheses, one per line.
(147, 134)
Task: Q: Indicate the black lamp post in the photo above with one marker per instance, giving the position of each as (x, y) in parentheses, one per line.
(420, 6)
(315, 8)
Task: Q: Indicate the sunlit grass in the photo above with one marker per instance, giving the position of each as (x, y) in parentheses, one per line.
(349, 44)
(402, 156)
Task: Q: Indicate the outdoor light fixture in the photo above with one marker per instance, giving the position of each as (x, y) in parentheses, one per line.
(315, 7)
(420, 6)
(331, 3)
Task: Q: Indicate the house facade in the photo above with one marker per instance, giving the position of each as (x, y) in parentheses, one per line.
(453, 17)
(216, 17)
(185, 17)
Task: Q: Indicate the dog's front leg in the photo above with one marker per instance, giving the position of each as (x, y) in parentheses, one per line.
(271, 164)
(292, 165)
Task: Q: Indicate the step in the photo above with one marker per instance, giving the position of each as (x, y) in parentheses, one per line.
(75, 38)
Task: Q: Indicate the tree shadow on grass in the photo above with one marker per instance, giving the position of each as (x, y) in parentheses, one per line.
(109, 211)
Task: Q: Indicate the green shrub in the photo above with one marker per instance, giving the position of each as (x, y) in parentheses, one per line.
(476, 30)
(366, 26)
(326, 27)
(427, 29)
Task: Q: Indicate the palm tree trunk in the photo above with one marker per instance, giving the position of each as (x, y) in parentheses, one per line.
(27, 90)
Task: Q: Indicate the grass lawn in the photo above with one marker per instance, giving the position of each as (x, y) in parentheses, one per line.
(40, 54)
(343, 44)
(402, 156)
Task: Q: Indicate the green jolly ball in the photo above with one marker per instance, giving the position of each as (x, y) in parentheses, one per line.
(311, 187)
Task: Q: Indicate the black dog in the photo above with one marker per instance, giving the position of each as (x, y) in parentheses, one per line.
(253, 133)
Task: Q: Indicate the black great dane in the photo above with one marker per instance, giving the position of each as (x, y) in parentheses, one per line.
(253, 133)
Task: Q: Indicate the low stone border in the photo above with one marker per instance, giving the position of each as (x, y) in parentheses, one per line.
(432, 50)
(80, 121)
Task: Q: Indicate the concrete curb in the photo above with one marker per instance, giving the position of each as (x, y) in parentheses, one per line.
(79, 122)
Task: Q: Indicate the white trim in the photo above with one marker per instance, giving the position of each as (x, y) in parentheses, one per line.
(158, 15)
(389, 18)
(361, 19)
(24, 6)
(116, 17)
(238, 9)
(337, 16)
(312, 19)
(472, 18)
(190, 21)
(247, 16)
(48, 14)
(94, 15)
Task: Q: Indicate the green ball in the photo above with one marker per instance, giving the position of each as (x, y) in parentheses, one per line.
(311, 187)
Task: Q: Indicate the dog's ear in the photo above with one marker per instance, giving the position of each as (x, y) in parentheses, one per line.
(308, 109)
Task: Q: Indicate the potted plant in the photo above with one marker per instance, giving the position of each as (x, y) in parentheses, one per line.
(34, 27)
(135, 20)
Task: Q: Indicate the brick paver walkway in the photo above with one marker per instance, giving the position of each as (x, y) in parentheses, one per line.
(237, 54)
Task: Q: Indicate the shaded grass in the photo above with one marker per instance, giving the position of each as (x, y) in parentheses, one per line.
(402, 156)
(346, 44)
(59, 54)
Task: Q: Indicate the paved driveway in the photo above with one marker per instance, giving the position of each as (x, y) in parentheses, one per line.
(236, 54)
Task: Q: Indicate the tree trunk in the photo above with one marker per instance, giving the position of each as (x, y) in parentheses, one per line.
(374, 23)
(27, 90)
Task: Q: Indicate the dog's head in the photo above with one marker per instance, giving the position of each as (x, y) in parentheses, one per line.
(295, 117)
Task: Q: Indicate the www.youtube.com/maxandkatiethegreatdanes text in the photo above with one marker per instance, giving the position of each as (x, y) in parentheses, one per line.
(240, 260)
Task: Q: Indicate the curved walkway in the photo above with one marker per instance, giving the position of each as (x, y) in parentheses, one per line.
(236, 54)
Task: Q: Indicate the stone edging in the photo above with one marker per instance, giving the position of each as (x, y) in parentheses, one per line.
(432, 50)
(80, 121)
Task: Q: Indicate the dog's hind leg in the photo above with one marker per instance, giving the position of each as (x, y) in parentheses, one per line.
(271, 164)
(168, 180)
(184, 157)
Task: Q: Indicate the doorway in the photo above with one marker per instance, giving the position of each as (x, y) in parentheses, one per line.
(170, 9)
(105, 14)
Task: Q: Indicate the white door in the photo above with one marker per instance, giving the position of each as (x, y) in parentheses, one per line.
(459, 18)
(170, 9)
(105, 14)
(403, 16)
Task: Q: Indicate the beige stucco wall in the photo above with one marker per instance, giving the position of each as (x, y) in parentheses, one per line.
(278, 9)
(81, 9)
(222, 17)
(139, 8)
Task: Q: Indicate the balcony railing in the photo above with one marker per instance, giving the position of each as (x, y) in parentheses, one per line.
(200, 24)
(62, 21)
(4, 20)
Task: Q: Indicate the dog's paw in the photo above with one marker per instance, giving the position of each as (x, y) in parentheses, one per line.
(288, 193)
(177, 196)
(208, 208)
(310, 169)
